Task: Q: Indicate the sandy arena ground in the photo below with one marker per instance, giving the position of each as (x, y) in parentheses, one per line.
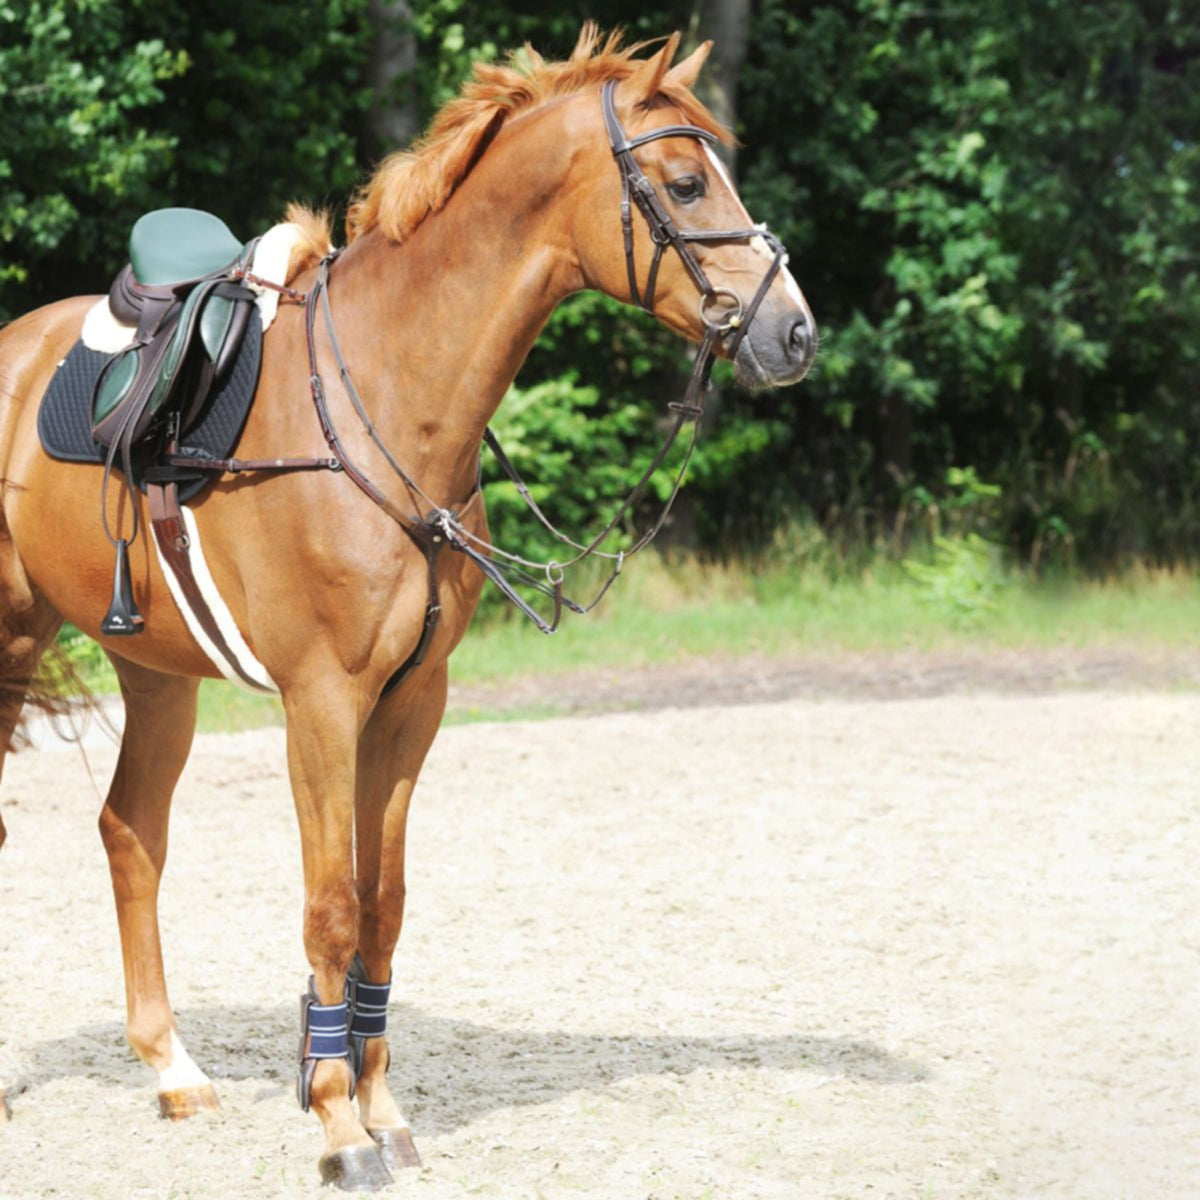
(831, 948)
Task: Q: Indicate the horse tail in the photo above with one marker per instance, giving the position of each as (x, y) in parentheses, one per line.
(59, 696)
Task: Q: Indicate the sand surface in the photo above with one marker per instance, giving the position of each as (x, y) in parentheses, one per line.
(938, 946)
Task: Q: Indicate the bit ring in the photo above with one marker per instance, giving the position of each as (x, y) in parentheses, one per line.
(732, 320)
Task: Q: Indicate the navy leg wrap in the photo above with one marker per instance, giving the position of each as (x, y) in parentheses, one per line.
(368, 1011)
(324, 1033)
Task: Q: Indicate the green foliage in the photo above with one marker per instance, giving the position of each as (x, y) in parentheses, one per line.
(112, 109)
(75, 85)
(993, 209)
(991, 204)
(962, 580)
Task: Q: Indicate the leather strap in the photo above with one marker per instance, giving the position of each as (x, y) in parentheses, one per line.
(663, 230)
(166, 520)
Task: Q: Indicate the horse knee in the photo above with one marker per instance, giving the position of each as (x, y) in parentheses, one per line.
(331, 921)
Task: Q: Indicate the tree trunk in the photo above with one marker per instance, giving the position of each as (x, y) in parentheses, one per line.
(393, 119)
(727, 22)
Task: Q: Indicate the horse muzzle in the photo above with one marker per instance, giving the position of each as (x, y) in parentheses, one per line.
(778, 348)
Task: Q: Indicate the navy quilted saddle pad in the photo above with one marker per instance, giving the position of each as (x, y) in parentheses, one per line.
(65, 417)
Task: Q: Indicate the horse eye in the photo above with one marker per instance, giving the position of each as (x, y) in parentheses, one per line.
(687, 189)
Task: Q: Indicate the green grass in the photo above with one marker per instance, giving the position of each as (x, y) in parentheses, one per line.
(665, 613)
(957, 595)
(224, 708)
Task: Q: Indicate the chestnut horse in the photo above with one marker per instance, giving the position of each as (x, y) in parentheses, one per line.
(457, 253)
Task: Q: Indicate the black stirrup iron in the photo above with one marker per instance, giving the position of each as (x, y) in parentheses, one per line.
(122, 618)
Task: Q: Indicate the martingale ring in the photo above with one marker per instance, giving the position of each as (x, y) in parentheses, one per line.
(733, 320)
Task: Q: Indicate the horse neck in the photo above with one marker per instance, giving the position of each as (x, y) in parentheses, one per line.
(438, 326)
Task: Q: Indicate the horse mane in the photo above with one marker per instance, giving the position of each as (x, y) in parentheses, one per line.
(314, 241)
(410, 185)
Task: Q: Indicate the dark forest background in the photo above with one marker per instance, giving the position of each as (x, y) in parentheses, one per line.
(993, 207)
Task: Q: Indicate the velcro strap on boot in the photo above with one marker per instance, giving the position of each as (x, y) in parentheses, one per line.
(368, 1006)
(324, 1034)
(327, 1027)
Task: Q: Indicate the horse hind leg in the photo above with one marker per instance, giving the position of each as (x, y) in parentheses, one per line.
(5, 1108)
(160, 718)
(27, 626)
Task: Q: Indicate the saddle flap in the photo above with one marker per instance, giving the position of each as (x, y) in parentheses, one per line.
(117, 378)
(173, 245)
(141, 381)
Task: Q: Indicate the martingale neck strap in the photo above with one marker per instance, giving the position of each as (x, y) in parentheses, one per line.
(424, 534)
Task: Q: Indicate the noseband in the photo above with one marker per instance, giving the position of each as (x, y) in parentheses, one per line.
(664, 232)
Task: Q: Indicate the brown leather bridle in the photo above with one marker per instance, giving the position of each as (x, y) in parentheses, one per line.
(664, 232)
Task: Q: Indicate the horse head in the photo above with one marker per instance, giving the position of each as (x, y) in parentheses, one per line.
(663, 226)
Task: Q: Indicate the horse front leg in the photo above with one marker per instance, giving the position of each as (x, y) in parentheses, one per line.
(160, 720)
(391, 754)
(323, 727)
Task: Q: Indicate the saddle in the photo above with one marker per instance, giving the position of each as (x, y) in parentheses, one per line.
(182, 290)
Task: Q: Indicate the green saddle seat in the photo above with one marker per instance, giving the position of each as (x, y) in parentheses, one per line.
(172, 245)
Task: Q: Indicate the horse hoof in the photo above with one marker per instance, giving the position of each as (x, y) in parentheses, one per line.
(396, 1148)
(187, 1102)
(355, 1169)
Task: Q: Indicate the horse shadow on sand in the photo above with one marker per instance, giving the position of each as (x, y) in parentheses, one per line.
(448, 1073)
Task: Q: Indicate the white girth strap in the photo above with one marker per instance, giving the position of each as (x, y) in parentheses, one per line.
(235, 660)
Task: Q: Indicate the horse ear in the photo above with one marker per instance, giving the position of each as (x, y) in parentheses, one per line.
(684, 74)
(646, 82)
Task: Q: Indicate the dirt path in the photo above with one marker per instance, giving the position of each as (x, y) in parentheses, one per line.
(921, 947)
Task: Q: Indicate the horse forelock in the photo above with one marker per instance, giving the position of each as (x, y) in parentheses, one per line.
(410, 185)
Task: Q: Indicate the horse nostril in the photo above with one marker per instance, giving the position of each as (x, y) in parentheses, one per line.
(799, 339)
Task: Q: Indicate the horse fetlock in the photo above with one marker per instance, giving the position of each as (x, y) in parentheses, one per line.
(330, 1087)
(155, 1041)
(377, 1109)
(330, 1100)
